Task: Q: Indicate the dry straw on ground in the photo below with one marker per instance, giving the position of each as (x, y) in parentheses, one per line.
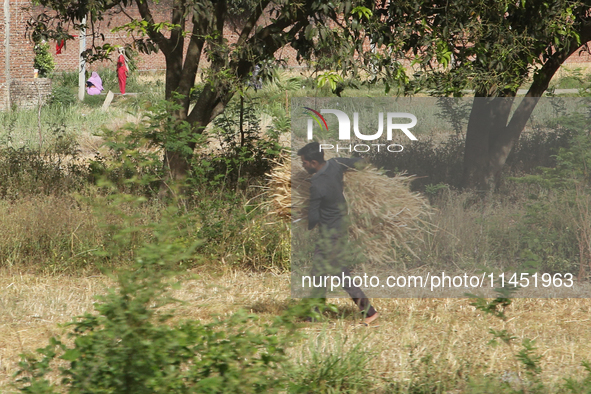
(450, 332)
(382, 209)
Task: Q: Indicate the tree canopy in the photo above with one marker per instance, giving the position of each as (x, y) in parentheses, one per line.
(311, 27)
(491, 47)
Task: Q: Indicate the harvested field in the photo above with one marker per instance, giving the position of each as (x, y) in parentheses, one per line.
(450, 331)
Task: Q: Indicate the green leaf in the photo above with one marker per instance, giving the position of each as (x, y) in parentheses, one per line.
(71, 355)
(361, 12)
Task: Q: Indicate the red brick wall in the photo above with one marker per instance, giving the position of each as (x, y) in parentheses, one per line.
(2, 57)
(21, 49)
(68, 59)
(579, 57)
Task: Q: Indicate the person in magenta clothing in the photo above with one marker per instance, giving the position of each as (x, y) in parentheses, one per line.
(122, 70)
(94, 84)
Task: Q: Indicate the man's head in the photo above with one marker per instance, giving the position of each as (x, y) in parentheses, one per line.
(312, 157)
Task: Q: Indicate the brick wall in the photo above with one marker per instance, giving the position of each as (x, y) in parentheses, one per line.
(29, 92)
(68, 59)
(2, 47)
(20, 63)
(21, 51)
(3, 97)
(579, 57)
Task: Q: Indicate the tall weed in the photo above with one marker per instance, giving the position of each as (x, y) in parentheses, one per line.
(333, 364)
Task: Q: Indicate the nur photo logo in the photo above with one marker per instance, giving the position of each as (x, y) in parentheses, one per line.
(344, 129)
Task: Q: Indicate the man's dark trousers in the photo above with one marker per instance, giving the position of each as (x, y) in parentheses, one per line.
(332, 257)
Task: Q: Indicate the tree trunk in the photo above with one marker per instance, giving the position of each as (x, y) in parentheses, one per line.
(176, 165)
(211, 103)
(491, 136)
(488, 119)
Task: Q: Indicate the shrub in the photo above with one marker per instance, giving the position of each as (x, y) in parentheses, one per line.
(62, 95)
(245, 153)
(47, 233)
(558, 220)
(26, 171)
(43, 60)
(66, 78)
(239, 232)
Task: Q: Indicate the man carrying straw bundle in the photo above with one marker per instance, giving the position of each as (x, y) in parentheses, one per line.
(328, 209)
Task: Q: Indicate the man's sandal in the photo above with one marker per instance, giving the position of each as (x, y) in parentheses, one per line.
(370, 320)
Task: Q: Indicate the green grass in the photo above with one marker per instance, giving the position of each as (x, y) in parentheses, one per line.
(67, 115)
(24, 128)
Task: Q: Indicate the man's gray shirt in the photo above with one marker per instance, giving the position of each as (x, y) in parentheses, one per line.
(328, 206)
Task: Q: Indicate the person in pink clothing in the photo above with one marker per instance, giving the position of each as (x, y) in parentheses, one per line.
(94, 85)
(122, 70)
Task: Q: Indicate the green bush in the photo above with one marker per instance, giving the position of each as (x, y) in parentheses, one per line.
(125, 349)
(583, 386)
(238, 231)
(26, 171)
(245, 155)
(66, 78)
(556, 229)
(62, 96)
(43, 60)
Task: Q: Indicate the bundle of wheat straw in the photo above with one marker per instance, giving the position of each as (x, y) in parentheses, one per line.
(382, 210)
(279, 188)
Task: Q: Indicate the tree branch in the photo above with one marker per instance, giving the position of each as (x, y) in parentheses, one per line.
(192, 60)
(122, 10)
(541, 81)
(156, 36)
(178, 18)
(506, 137)
(201, 115)
(221, 9)
(251, 23)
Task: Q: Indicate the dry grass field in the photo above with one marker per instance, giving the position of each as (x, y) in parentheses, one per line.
(451, 332)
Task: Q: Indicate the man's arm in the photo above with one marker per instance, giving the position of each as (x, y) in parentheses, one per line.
(314, 209)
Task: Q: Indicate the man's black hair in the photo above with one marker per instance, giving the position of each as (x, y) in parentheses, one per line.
(312, 152)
